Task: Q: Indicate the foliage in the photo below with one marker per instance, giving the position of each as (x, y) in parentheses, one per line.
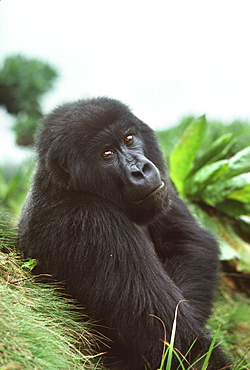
(25, 128)
(213, 175)
(231, 313)
(183, 155)
(23, 81)
(237, 129)
(38, 329)
(14, 185)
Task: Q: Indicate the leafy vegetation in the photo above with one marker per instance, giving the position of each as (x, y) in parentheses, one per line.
(14, 185)
(238, 129)
(213, 175)
(23, 81)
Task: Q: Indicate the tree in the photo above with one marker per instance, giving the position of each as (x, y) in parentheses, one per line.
(23, 81)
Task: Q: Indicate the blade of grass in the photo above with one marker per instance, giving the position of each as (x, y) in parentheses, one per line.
(172, 338)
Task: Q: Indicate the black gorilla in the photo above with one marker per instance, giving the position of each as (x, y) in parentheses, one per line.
(102, 217)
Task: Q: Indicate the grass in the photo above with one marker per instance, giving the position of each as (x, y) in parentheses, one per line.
(38, 329)
(232, 315)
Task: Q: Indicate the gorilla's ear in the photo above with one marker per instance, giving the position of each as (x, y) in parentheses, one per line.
(63, 164)
(57, 166)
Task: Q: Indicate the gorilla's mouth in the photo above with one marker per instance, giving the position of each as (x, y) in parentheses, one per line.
(152, 194)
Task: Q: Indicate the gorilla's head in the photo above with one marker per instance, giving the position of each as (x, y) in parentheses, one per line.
(98, 146)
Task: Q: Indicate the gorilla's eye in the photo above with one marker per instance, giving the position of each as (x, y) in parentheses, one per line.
(128, 138)
(107, 153)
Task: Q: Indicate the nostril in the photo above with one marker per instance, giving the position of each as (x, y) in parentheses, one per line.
(138, 174)
(141, 173)
(146, 168)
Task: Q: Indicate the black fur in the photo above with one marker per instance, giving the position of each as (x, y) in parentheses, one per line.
(114, 231)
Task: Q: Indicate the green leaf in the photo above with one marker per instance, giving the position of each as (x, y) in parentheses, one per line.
(29, 264)
(239, 163)
(232, 247)
(242, 195)
(227, 252)
(183, 155)
(206, 175)
(245, 219)
(217, 192)
(218, 149)
(242, 248)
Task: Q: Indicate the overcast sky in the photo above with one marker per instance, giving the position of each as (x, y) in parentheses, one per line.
(165, 59)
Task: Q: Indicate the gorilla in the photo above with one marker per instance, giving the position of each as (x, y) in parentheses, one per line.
(103, 218)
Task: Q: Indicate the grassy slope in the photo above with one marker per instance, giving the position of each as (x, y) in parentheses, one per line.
(38, 330)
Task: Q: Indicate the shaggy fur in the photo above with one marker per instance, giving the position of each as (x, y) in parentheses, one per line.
(102, 217)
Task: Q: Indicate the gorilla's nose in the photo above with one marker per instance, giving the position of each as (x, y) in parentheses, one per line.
(143, 174)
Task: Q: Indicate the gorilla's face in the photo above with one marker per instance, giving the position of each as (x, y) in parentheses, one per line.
(138, 178)
(123, 173)
(113, 156)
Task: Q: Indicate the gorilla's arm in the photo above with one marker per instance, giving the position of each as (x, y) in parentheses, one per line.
(113, 270)
(189, 254)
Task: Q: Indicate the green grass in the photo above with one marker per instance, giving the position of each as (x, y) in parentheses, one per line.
(38, 329)
(232, 315)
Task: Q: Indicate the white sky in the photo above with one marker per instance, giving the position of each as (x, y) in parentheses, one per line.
(165, 59)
